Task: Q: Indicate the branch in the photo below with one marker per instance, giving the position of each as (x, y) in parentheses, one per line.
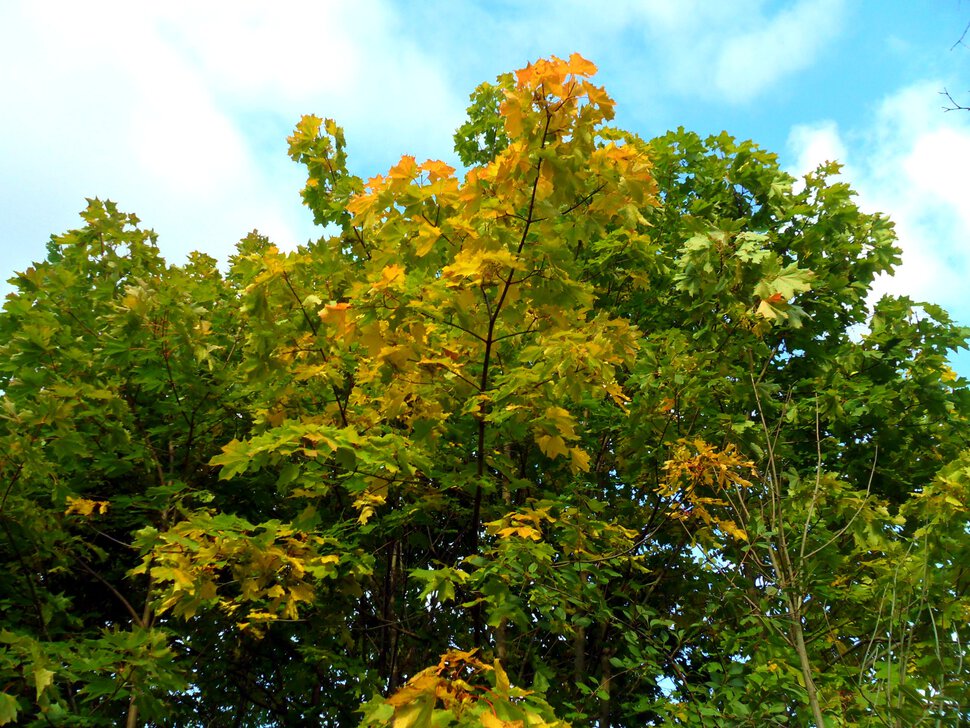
(956, 106)
(963, 35)
(125, 603)
(341, 405)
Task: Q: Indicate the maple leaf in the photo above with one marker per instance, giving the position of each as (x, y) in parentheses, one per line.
(578, 460)
(482, 266)
(425, 238)
(766, 309)
(552, 446)
(42, 679)
(437, 169)
(512, 114)
(392, 276)
(521, 532)
(8, 708)
(335, 313)
(85, 507)
(490, 720)
(580, 66)
(403, 170)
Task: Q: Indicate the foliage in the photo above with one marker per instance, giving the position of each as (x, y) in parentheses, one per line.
(602, 432)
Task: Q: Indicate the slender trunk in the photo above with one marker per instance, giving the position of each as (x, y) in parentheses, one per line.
(387, 616)
(606, 677)
(579, 654)
(796, 620)
(132, 721)
(394, 669)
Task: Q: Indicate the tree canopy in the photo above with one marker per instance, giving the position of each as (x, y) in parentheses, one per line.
(601, 431)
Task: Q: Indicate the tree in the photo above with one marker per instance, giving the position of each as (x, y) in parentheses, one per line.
(604, 432)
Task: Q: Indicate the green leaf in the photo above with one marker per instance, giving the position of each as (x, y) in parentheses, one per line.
(8, 708)
(42, 679)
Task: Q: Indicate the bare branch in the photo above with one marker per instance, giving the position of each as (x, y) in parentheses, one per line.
(955, 105)
(962, 38)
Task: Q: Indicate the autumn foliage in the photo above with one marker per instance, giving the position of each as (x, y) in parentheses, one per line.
(599, 431)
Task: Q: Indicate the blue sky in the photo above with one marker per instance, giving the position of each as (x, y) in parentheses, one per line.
(179, 111)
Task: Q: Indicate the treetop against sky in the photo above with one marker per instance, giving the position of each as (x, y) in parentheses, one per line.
(181, 111)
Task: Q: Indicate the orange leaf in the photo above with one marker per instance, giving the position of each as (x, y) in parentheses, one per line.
(580, 66)
(437, 169)
(405, 169)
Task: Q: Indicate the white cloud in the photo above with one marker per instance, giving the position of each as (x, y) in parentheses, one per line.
(717, 51)
(753, 61)
(815, 144)
(179, 112)
(737, 51)
(911, 163)
(348, 61)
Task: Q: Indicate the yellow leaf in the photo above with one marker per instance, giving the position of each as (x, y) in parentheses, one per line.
(467, 263)
(559, 415)
(258, 616)
(578, 460)
(367, 502)
(597, 95)
(427, 236)
(544, 184)
(85, 507)
(731, 528)
(363, 205)
(954, 502)
(396, 356)
(521, 532)
(511, 110)
(767, 310)
(490, 720)
(391, 277)
(482, 266)
(552, 446)
(301, 592)
(416, 714)
(424, 683)
(336, 314)
(563, 421)
(502, 684)
(616, 392)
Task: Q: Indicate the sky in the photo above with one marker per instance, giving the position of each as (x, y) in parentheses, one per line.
(179, 111)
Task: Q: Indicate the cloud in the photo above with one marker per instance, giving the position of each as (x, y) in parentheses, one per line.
(737, 51)
(349, 61)
(910, 162)
(649, 49)
(179, 111)
(754, 60)
(814, 144)
(104, 106)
